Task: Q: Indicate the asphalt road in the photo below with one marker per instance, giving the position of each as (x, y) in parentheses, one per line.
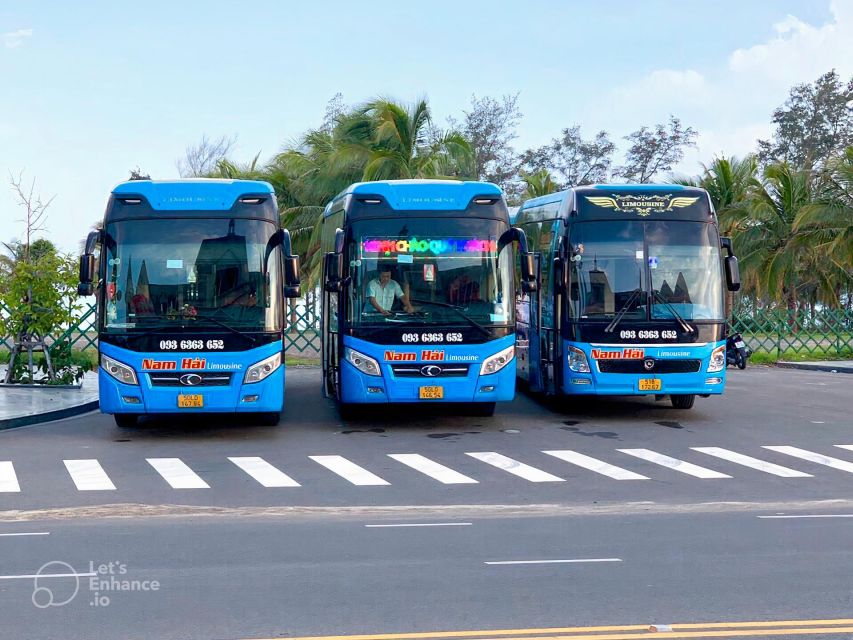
(620, 512)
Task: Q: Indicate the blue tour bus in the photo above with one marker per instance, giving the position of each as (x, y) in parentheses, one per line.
(419, 290)
(190, 281)
(631, 293)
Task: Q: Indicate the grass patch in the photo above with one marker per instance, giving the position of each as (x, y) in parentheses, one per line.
(790, 355)
(300, 361)
(87, 359)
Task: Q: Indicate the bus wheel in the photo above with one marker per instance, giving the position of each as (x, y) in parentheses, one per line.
(683, 401)
(125, 420)
(269, 419)
(483, 409)
(350, 411)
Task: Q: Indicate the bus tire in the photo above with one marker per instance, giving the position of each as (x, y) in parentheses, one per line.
(682, 401)
(125, 420)
(483, 409)
(350, 411)
(268, 419)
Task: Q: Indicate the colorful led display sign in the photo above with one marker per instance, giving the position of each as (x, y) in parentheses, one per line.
(434, 246)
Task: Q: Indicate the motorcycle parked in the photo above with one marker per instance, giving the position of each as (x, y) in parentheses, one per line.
(737, 353)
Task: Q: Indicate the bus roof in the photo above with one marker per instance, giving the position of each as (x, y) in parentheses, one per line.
(192, 194)
(416, 195)
(602, 201)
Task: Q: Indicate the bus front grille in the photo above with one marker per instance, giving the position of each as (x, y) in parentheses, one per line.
(180, 379)
(430, 370)
(639, 366)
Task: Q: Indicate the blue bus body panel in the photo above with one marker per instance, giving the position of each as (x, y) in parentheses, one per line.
(354, 383)
(188, 195)
(219, 399)
(627, 384)
(421, 195)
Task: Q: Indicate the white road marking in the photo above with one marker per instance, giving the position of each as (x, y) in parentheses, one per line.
(594, 464)
(419, 524)
(177, 474)
(849, 447)
(8, 479)
(753, 463)
(31, 576)
(514, 467)
(674, 463)
(819, 515)
(572, 561)
(439, 472)
(25, 533)
(89, 475)
(818, 458)
(264, 472)
(349, 470)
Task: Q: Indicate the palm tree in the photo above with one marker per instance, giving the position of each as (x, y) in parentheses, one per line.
(395, 141)
(539, 183)
(781, 263)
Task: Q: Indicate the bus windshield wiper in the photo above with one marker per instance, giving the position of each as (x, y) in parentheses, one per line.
(470, 320)
(183, 320)
(624, 310)
(659, 296)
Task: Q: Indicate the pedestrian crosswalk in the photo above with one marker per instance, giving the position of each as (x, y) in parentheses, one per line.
(474, 468)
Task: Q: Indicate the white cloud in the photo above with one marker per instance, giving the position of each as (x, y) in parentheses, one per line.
(14, 39)
(731, 107)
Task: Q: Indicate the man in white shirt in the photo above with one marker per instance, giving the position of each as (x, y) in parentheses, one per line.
(382, 291)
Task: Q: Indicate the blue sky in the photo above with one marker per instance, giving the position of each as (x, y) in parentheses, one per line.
(88, 93)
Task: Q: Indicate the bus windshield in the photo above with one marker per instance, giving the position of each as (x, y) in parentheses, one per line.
(646, 270)
(180, 272)
(429, 271)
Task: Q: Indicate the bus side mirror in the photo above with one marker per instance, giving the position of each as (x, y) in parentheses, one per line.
(87, 273)
(731, 265)
(561, 275)
(333, 268)
(291, 277)
(732, 273)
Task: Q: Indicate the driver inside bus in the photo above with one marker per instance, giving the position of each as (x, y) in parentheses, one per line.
(382, 291)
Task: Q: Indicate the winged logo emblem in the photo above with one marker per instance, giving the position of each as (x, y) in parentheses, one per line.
(642, 205)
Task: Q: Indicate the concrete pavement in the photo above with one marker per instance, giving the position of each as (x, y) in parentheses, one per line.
(24, 405)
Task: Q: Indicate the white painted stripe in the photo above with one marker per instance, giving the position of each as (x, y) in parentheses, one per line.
(514, 467)
(31, 576)
(818, 458)
(419, 524)
(177, 474)
(818, 515)
(89, 475)
(752, 463)
(439, 472)
(26, 533)
(674, 463)
(572, 561)
(594, 464)
(849, 447)
(8, 479)
(349, 470)
(264, 472)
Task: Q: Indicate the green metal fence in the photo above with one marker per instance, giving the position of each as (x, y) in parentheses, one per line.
(302, 335)
(819, 333)
(779, 332)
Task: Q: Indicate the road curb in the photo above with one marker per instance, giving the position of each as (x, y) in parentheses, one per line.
(828, 368)
(48, 416)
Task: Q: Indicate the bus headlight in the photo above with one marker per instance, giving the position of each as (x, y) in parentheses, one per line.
(495, 363)
(363, 363)
(577, 360)
(718, 359)
(262, 369)
(117, 370)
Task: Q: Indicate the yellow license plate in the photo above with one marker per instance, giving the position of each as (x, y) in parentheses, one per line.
(650, 384)
(431, 393)
(190, 401)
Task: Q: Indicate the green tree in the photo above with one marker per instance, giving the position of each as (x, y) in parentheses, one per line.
(814, 124)
(571, 160)
(656, 150)
(538, 184)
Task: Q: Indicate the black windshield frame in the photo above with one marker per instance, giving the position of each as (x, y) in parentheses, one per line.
(688, 249)
(189, 255)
